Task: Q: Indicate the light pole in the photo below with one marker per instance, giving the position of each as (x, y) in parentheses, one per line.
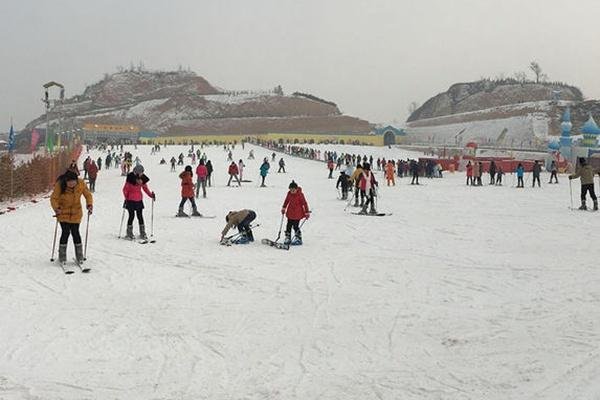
(47, 102)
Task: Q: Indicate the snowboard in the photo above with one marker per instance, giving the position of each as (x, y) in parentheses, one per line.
(275, 244)
(195, 216)
(373, 215)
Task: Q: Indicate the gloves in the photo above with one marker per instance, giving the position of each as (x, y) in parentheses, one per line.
(153, 196)
(90, 208)
(124, 203)
(283, 211)
(570, 177)
(307, 215)
(57, 212)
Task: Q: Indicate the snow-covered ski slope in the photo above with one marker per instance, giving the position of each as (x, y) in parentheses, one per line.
(462, 293)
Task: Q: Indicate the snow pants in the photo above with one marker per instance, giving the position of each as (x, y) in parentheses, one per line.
(584, 191)
(73, 230)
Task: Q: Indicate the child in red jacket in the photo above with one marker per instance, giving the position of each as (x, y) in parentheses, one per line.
(295, 209)
(187, 192)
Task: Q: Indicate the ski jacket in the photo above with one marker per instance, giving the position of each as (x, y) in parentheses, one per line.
(264, 168)
(367, 181)
(295, 205)
(234, 218)
(330, 164)
(202, 172)
(92, 170)
(187, 184)
(356, 176)
(470, 170)
(586, 173)
(69, 202)
(520, 171)
(343, 181)
(233, 169)
(537, 168)
(476, 171)
(133, 192)
(209, 167)
(389, 170)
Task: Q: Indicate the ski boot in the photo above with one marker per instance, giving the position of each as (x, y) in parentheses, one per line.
(129, 234)
(62, 253)
(583, 206)
(143, 235)
(595, 205)
(363, 210)
(288, 239)
(372, 210)
(250, 235)
(79, 253)
(243, 239)
(195, 213)
(297, 239)
(355, 201)
(181, 213)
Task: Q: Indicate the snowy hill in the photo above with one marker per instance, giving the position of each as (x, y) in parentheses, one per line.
(463, 293)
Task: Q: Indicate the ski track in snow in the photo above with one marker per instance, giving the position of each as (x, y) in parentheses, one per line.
(462, 293)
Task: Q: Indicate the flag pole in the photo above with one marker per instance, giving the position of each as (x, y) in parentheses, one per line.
(12, 161)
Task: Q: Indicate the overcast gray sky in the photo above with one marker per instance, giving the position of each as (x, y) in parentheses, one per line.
(371, 57)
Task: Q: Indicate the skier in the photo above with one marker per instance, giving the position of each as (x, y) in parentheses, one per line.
(264, 170)
(492, 172)
(173, 162)
(66, 203)
(73, 167)
(344, 182)
(499, 174)
(356, 179)
(414, 169)
(281, 165)
(92, 171)
(553, 172)
(135, 182)
(240, 219)
(187, 192)
(251, 155)
(209, 170)
(537, 168)
(295, 209)
(390, 172)
(273, 157)
(233, 173)
(201, 173)
(586, 173)
(241, 166)
(330, 166)
(367, 187)
(520, 172)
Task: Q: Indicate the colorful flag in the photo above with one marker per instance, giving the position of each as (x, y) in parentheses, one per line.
(35, 137)
(11, 139)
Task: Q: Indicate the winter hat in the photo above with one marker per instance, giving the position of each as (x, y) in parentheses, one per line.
(188, 168)
(138, 169)
(70, 176)
(367, 166)
(293, 185)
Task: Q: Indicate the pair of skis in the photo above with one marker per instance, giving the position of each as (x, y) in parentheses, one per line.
(68, 269)
(231, 239)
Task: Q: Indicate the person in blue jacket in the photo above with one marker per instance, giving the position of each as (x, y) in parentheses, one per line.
(264, 170)
(520, 172)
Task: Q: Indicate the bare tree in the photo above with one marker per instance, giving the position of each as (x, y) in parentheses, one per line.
(521, 76)
(537, 70)
(412, 107)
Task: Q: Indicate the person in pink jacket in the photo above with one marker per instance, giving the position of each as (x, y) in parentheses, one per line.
(135, 182)
(201, 173)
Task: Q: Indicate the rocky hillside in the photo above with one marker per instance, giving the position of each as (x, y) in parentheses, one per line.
(485, 94)
(183, 103)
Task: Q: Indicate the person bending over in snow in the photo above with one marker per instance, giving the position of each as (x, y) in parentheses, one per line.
(240, 219)
(586, 173)
(66, 202)
(187, 192)
(295, 209)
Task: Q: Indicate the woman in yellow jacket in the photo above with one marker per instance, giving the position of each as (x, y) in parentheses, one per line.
(66, 202)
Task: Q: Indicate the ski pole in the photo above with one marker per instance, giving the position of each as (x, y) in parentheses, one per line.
(54, 240)
(349, 201)
(152, 220)
(280, 227)
(571, 193)
(121, 226)
(87, 229)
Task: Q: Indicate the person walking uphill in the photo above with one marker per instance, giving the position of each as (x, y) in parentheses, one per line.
(586, 173)
(66, 203)
(295, 209)
(240, 219)
(187, 192)
(135, 182)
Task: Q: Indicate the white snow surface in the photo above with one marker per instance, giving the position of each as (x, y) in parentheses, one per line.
(463, 293)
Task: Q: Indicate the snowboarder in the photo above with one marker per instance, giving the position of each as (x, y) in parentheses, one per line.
(240, 219)
(295, 209)
(187, 192)
(66, 203)
(264, 170)
(586, 173)
(367, 187)
(135, 182)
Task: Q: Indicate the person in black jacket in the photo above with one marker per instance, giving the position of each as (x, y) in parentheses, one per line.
(344, 182)
(209, 169)
(492, 173)
(537, 168)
